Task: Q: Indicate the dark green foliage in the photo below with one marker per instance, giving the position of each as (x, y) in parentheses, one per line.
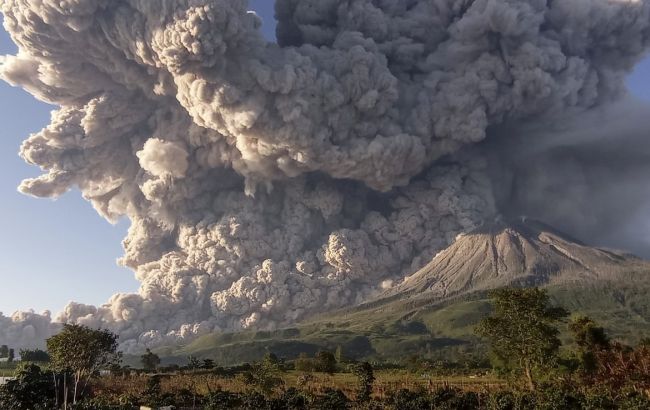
(253, 401)
(338, 354)
(193, 363)
(293, 399)
(304, 364)
(408, 327)
(264, 376)
(409, 400)
(325, 362)
(331, 400)
(31, 390)
(153, 396)
(522, 331)
(635, 401)
(358, 347)
(150, 361)
(590, 339)
(82, 351)
(454, 399)
(4, 351)
(220, 399)
(272, 362)
(365, 379)
(35, 355)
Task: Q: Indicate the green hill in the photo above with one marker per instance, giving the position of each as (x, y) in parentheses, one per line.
(433, 313)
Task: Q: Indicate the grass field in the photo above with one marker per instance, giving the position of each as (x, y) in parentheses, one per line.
(315, 383)
(6, 372)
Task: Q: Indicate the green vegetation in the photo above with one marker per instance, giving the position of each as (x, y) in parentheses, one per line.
(391, 331)
(537, 360)
(150, 361)
(36, 356)
(80, 351)
(522, 331)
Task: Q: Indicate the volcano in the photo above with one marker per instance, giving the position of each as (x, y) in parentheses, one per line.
(438, 307)
(520, 252)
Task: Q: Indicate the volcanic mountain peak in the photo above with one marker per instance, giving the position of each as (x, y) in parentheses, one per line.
(521, 251)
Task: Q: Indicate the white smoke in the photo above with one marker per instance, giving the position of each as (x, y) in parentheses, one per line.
(266, 182)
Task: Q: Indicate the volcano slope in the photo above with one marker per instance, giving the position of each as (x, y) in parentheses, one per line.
(434, 311)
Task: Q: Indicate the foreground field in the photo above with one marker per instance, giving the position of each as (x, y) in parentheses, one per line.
(387, 381)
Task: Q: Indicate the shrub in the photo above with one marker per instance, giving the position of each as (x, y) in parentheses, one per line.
(253, 401)
(304, 363)
(410, 400)
(331, 400)
(32, 389)
(325, 362)
(454, 399)
(292, 399)
(220, 399)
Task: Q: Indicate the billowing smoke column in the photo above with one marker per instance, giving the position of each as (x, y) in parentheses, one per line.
(266, 182)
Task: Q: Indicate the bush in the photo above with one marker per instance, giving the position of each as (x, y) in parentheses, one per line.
(325, 362)
(454, 399)
(292, 399)
(634, 401)
(220, 399)
(410, 400)
(253, 401)
(331, 400)
(304, 364)
(31, 390)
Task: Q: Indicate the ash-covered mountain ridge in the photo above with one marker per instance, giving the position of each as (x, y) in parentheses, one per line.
(513, 252)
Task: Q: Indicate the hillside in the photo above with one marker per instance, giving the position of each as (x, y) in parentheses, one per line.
(433, 312)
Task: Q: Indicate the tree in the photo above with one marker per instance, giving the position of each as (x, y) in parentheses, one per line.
(150, 361)
(11, 356)
(590, 339)
(621, 366)
(338, 354)
(325, 362)
(304, 363)
(522, 331)
(193, 363)
(208, 364)
(82, 351)
(271, 362)
(263, 376)
(4, 351)
(35, 355)
(365, 379)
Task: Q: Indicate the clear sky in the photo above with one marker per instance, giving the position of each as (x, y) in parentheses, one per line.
(52, 252)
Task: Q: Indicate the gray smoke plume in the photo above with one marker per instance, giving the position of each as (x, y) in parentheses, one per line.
(269, 181)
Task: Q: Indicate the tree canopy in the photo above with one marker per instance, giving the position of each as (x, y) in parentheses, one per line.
(150, 360)
(522, 330)
(82, 351)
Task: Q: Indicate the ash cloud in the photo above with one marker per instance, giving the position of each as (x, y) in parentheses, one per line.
(269, 181)
(587, 174)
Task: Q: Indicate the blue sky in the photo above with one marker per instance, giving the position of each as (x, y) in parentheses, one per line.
(52, 252)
